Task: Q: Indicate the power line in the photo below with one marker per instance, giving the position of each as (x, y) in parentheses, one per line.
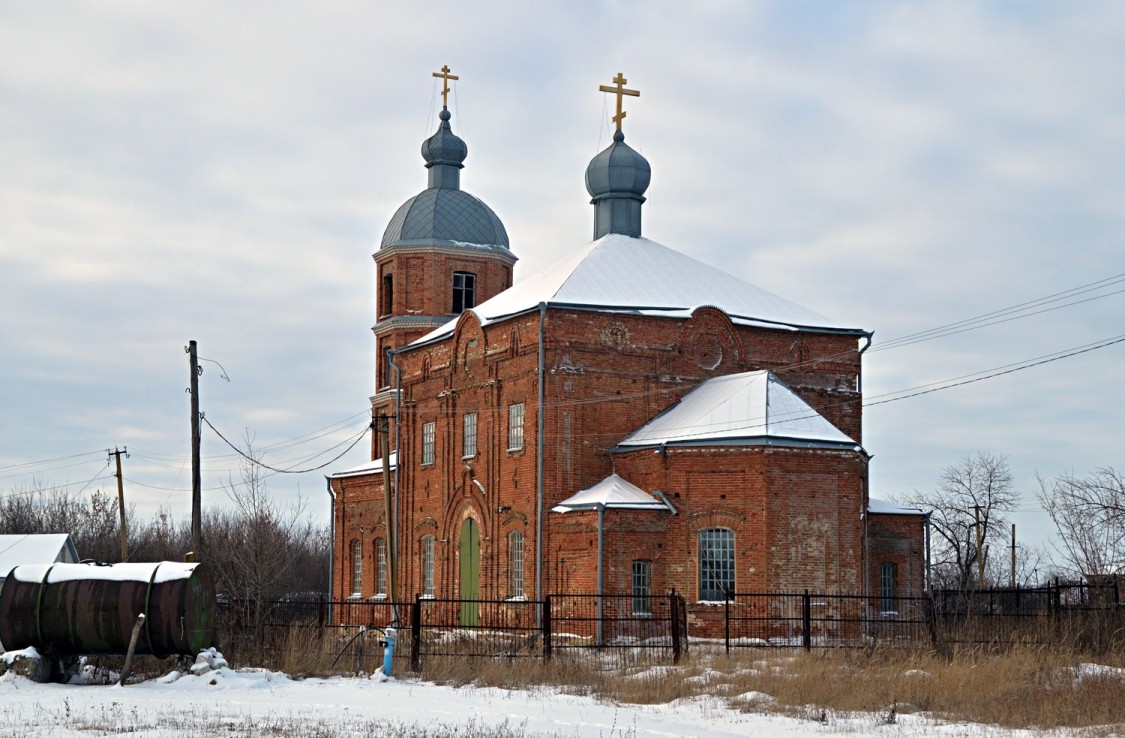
(257, 462)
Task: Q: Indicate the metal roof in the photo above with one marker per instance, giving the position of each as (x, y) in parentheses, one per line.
(739, 408)
(613, 492)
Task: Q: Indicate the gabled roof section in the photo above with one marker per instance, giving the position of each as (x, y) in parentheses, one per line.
(747, 408)
(625, 274)
(44, 548)
(370, 467)
(612, 493)
(886, 507)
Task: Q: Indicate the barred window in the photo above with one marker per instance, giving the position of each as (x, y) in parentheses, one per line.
(515, 426)
(357, 567)
(716, 564)
(381, 566)
(427, 566)
(464, 291)
(515, 564)
(887, 587)
(470, 435)
(642, 587)
(428, 435)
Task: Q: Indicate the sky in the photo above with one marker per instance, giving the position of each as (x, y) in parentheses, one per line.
(222, 172)
(255, 701)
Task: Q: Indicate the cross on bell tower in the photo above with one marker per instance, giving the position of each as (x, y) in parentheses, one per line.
(445, 76)
(620, 91)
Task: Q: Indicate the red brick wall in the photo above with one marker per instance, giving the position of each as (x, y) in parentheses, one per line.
(898, 540)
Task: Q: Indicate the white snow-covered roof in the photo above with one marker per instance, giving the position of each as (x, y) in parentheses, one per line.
(370, 467)
(613, 492)
(621, 273)
(44, 548)
(751, 406)
(886, 507)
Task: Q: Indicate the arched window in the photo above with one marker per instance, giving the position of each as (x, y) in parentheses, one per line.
(716, 564)
(387, 296)
(515, 564)
(464, 291)
(380, 567)
(357, 567)
(427, 566)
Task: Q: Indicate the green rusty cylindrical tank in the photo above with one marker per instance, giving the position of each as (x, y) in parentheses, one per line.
(90, 609)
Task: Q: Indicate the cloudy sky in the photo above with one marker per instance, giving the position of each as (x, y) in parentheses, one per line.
(223, 171)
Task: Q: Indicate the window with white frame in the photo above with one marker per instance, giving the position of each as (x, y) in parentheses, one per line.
(381, 567)
(515, 564)
(515, 426)
(427, 566)
(887, 572)
(716, 564)
(470, 426)
(428, 437)
(357, 567)
(642, 587)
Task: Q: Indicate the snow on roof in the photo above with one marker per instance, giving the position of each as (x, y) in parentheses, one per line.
(45, 548)
(156, 571)
(613, 492)
(885, 507)
(371, 467)
(617, 273)
(738, 407)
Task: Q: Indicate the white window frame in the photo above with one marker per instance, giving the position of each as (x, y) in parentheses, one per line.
(716, 564)
(357, 568)
(642, 587)
(469, 438)
(516, 562)
(515, 426)
(429, 443)
(427, 547)
(380, 567)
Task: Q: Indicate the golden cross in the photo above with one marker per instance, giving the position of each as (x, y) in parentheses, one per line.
(619, 90)
(445, 76)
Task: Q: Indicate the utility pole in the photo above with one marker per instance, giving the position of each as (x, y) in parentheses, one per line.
(1013, 555)
(121, 501)
(980, 548)
(196, 484)
(384, 430)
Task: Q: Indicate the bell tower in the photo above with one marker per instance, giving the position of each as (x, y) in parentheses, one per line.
(443, 252)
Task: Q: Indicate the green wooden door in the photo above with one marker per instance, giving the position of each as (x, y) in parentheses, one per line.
(470, 572)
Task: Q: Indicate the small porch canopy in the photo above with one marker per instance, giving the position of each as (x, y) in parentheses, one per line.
(612, 493)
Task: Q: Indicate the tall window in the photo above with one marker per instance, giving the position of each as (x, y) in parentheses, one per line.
(464, 291)
(387, 296)
(428, 443)
(716, 564)
(357, 567)
(427, 566)
(887, 587)
(642, 587)
(515, 426)
(515, 564)
(381, 566)
(470, 435)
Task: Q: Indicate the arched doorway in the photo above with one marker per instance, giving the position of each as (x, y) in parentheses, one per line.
(470, 572)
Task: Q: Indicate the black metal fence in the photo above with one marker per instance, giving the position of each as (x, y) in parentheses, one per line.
(1090, 615)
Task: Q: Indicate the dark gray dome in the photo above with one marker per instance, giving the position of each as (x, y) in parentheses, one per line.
(444, 214)
(444, 147)
(444, 217)
(618, 170)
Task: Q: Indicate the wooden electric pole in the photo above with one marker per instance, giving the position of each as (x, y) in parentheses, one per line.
(1013, 555)
(124, 533)
(384, 431)
(196, 484)
(980, 548)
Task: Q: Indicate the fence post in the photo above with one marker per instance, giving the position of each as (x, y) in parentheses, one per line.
(320, 611)
(673, 608)
(806, 621)
(416, 635)
(547, 626)
(726, 625)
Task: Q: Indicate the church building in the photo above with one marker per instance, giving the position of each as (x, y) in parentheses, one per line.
(628, 420)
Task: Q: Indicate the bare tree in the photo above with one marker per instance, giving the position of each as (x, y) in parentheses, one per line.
(1089, 514)
(978, 486)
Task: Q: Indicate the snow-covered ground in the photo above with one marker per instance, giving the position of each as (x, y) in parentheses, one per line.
(255, 702)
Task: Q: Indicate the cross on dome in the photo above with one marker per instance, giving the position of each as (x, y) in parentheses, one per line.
(445, 76)
(620, 91)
